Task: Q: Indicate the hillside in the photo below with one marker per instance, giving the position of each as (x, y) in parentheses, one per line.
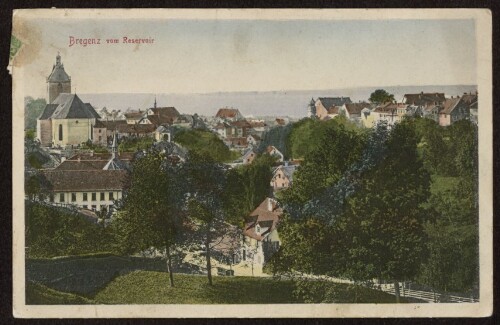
(147, 287)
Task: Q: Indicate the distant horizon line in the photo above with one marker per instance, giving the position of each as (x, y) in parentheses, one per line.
(281, 90)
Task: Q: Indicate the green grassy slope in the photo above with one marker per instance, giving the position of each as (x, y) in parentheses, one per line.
(143, 287)
(37, 294)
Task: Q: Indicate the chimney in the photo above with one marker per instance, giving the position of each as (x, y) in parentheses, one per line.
(269, 204)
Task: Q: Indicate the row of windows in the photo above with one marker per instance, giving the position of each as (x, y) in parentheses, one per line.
(85, 197)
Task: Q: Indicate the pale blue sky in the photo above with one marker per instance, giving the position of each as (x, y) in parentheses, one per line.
(197, 56)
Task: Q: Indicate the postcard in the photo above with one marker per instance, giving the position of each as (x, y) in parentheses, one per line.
(252, 163)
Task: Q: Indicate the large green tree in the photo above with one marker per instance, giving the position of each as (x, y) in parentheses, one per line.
(247, 186)
(382, 230)
(149, 216)
(206, 180)
(204, 143)
(381, 96)
(453, 244)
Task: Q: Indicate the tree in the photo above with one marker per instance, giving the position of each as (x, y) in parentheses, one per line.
(150, 213)
(247, 186)
(336, 150)
(32, 110)
(204, 143)
(206, 180)
(278, 137)
(382, 229)
(381, 96)
(453, 243)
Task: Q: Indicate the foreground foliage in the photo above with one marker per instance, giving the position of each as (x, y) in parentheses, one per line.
(150, 288)
(54, 231)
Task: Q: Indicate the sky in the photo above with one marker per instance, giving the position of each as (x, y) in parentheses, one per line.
(203, 56)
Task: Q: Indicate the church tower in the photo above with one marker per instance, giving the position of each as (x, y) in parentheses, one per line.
(58, 81)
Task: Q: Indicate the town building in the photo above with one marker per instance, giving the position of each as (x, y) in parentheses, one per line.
(283, 176)
(249, 156)
(92, 183)
(273, 151)
(453, 110)
(260, 234)
(228, 114)
(65, 120)
(329, 106)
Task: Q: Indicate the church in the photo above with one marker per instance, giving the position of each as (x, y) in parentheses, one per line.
(66, 119)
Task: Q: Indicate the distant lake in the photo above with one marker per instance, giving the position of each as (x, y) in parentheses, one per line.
(272, 103)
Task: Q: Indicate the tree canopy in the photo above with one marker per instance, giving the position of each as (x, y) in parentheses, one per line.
(381, 96)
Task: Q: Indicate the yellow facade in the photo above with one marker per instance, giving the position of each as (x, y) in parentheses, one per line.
(71, 131)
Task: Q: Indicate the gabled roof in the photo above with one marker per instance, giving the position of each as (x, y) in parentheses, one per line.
(288, 171)
(68, 106)
(449, 105)
(115, 164)
(81, 165)
(328, 102)
(424, 98)
(264, 217)
(241, 124)
(470, 99)
(228, 113)
(48, 111)
(248, 153)
(356, 108)
(170, 112)
(86, 180)
(389, 107)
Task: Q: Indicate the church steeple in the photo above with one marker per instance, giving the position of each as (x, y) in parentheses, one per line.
(114, 163)
(155, 102)
(113, 147)
(58, 81)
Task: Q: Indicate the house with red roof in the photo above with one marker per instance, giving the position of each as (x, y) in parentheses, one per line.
(260, 234)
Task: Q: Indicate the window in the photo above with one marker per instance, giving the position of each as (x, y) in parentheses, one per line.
(100, 132)
(111, 196)
(85, 206)
(60, 132)
(51, 197)
(94, 208)
(102, 196)
(102, 208)
(61, 197)
(73, 197)
(85, 196)
(94, 196)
